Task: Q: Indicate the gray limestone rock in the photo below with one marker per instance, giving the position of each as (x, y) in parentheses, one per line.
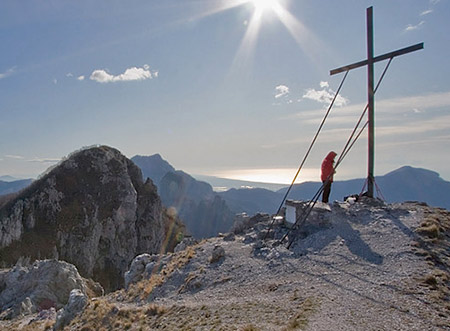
(138, 267)
(44, 284)
(77, 302)
(185, 243)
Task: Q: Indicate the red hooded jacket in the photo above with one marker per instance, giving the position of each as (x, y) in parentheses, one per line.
(327, 167)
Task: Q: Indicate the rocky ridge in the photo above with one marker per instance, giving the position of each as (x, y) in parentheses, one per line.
(92, 210)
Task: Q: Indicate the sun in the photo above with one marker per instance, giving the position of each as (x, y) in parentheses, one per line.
(262, 6)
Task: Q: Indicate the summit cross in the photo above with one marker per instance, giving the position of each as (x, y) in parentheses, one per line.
(370, 90)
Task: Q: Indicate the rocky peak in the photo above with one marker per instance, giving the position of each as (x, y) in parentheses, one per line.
(92, 210)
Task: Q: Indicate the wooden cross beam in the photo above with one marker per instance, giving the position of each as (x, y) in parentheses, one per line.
(370, 90)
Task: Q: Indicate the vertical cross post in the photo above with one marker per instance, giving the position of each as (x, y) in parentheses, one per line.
(371, 101)
(369, 62)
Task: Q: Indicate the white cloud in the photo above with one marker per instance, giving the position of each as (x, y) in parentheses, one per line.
(411, 27)
(281, 90)
(55, 81)
(80, 77)
(7, 73)
(69, 74)
(325, 95)
(426, 12)
(324, 84)
(130, 74)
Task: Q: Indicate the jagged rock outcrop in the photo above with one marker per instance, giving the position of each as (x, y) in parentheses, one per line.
(40, 286)
(92, 210)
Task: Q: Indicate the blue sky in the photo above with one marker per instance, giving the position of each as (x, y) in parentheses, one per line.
(228, 88)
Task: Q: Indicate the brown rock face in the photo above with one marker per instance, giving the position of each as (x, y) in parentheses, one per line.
(93, 210)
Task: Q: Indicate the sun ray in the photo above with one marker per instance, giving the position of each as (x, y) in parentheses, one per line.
(310, 44)
(216, 7)
(248, 43)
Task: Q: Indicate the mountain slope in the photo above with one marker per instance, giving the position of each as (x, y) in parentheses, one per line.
(153, 167)
(203, 211)
(408, 183)
(198, 206)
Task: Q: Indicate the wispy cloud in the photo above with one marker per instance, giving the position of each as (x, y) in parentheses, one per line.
(397, 106)
(16, 157)
(7, 73)
(130, 74)
(281, 90)
(44, 160)
(426, 12)
(411, 27)
(80, 77)
(325, 95)
(440, 123)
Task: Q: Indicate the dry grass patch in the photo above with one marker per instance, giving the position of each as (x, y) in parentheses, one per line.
(434, 245)
(306, 309)
(103, 315)
(143, 289)
(37, 325)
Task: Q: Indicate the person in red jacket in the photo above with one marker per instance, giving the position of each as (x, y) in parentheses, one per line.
(327, 175)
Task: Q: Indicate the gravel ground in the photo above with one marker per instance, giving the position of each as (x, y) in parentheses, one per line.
(362, 272)
(367, 269)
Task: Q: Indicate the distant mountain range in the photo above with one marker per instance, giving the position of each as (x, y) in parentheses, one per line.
(206, 212)
(404, 184)
(11, 186)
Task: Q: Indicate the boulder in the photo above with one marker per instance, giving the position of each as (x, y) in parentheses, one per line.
(138, 267)
(218, 254)
(77, 302)
(242, 222)
(43, 285)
